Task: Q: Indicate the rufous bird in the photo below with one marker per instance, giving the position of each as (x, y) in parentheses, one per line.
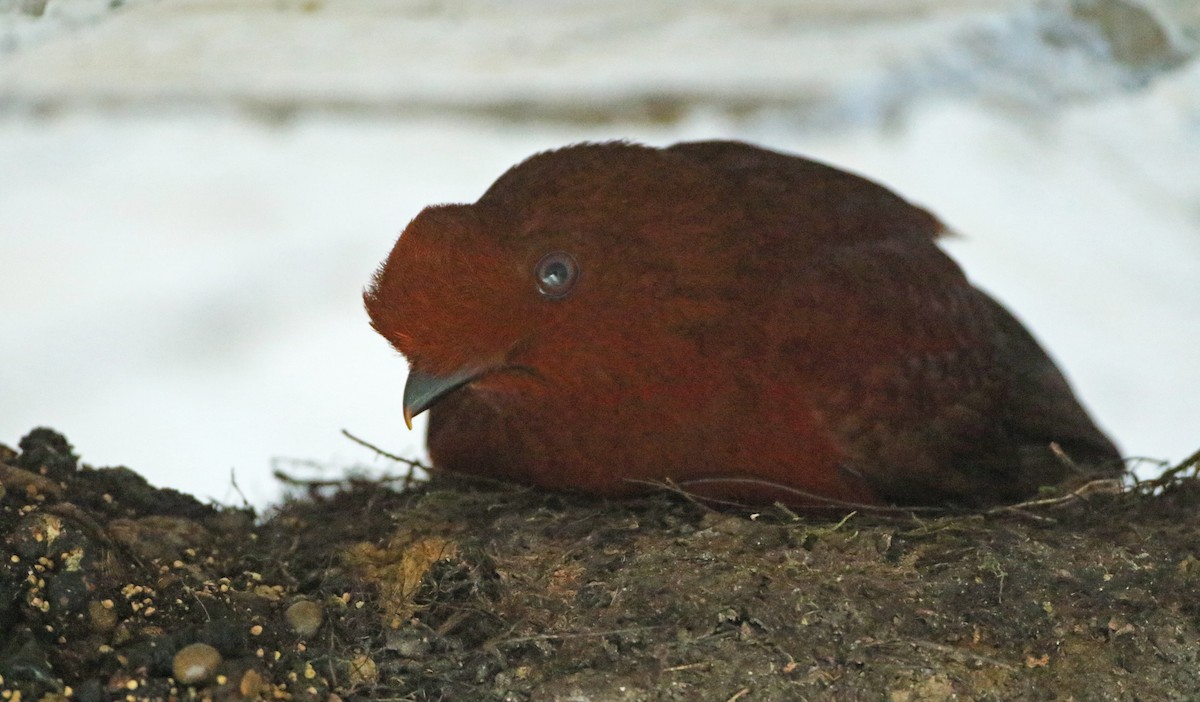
(741, 324)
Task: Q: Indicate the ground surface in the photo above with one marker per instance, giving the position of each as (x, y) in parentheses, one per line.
(477, 592)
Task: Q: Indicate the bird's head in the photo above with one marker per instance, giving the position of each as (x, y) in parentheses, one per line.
(571, 255)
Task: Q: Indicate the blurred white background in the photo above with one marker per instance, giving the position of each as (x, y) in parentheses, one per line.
(193, 193)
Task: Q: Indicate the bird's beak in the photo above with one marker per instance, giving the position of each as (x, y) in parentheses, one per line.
(423, 390)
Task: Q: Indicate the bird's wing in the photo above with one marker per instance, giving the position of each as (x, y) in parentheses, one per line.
(938, 393)
(1042, 408)
(833, 207)
(946, 392)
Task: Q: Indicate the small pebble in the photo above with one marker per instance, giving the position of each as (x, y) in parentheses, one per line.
(305, 617)
(103, 617)
(251, 685)
(407, 643)
(363, 671)
(195, 663)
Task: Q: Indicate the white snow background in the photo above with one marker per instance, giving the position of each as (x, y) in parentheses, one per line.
(193, 193)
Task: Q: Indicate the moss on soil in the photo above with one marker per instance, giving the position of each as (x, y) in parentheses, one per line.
(469, 591)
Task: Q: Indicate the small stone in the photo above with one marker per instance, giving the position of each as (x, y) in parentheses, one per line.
(305, 617)
(35, 535)
(159, 538)
(252, 684)
(407, 643)
(363, 671)
(195, 663)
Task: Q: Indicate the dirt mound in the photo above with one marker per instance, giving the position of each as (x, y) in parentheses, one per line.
(110, 588)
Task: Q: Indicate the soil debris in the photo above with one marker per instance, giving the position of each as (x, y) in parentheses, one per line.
(451, 590)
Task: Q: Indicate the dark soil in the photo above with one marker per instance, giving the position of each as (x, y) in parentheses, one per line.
(466, 591)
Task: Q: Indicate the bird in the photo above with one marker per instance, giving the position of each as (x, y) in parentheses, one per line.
(715, 318)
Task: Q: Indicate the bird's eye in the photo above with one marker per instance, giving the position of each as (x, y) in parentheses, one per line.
(556, 274)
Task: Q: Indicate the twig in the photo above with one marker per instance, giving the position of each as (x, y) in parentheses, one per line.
(669, 486)
(808, 500)
(1065, 459)
(952, 651)
(411, 463)
(1172, 474)
(841, 523)
(687, 666)
(311, 484)
(581, 634)
(453, 621)
(787, 511)
(1106, 485)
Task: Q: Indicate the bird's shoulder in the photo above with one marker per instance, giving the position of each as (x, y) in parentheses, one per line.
(799, 202)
